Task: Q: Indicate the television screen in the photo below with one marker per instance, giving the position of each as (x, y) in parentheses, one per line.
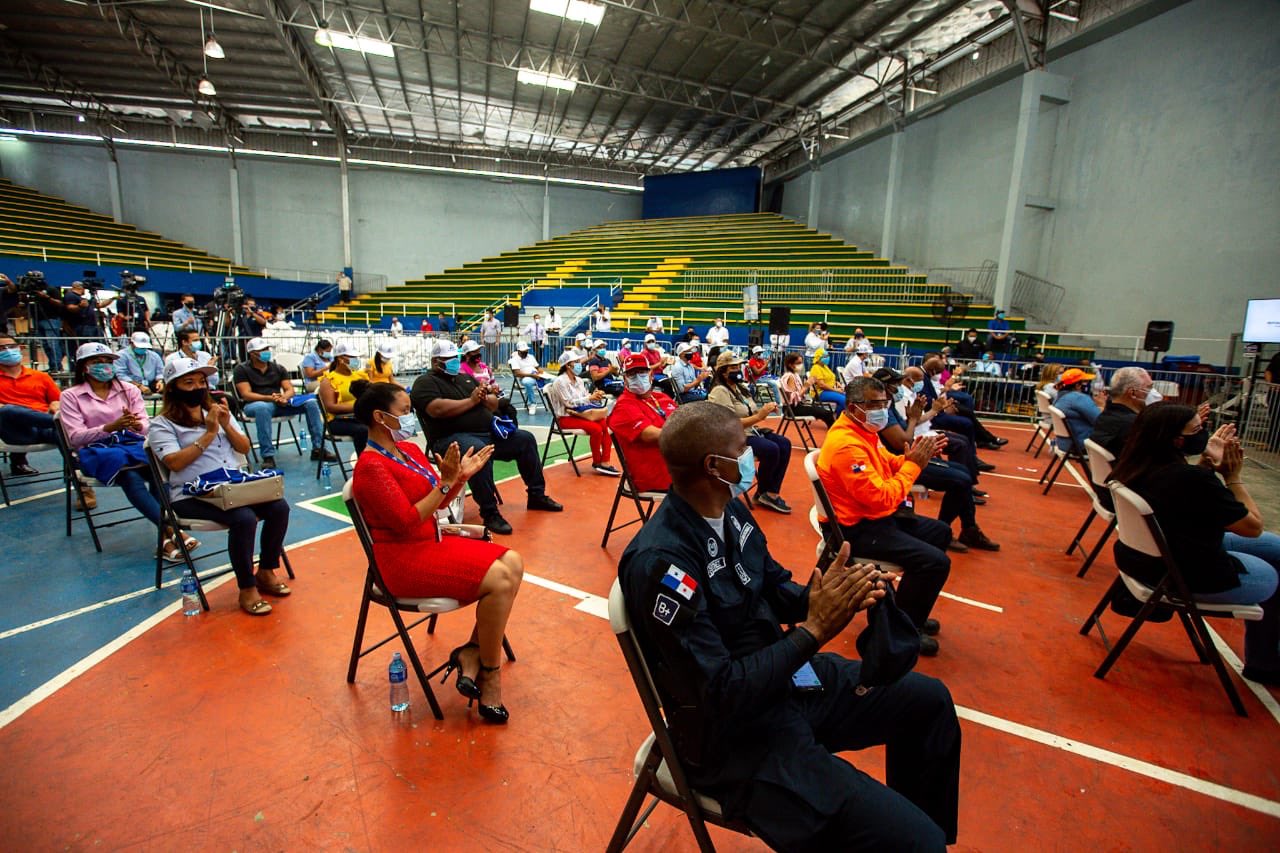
(1262, 322)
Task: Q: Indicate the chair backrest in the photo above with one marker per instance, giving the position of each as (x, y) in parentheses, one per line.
(829, 526)
(1136, 522)
(159, 477)
(362, 531)
(290, 361)
(1061, 429)
(1100, 460)
(628, 484)
(1043, 402)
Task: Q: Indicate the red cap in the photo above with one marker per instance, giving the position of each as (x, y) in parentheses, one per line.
(635, 361)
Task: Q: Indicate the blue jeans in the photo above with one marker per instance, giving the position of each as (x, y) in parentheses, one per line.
(530, 390)
(140, 491)
(262, 411)
(20, 425)
(51, 341)
(832, 397)
(1261, 560)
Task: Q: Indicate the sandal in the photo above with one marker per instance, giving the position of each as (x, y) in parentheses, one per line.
(277, 589)
(258, 608)
(171, 551)
(192, 542)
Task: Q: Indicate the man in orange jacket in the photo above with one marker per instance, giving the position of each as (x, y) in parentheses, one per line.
(870, 491)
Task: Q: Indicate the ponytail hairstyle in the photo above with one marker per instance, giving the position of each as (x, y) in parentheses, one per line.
(378, 361)
(372, 397)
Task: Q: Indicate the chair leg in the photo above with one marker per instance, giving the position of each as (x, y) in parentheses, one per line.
(1093, 513)
(1034, 436)
(4, 490)
(1129, 633)
(608, 525)
(1054, 478)
(423, 678)
(629, 821)
(186, 557)
(506, 647)
(1053, 460)
(1097, 549)
(1201, 652)
(1216, 660)
(570, 447)
(431, 623)
(288, 567)
(812, 442)
(359, 638)
(337, 451)
(1102, 605)
(1040, 448)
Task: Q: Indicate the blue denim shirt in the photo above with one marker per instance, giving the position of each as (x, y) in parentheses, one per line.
(1082, 413)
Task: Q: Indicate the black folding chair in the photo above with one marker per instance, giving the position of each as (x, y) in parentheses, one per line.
(80, 483)
(169, 518)
(251, 426)
(803, 425)
(328, 436)
(657, 768)
(563, 433)
(1140, 531)
(645, 502)
(375, 593)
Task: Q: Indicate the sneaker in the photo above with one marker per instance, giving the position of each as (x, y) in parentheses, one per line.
(544, 503)
(317, 455)
(979, 500)
(533, 410)
(957, 546)
(931, 627)
(975, 538)
(268, 462)
(775, 504)
(978, 493)
(928, 646)
(497, 524)
(606, 470)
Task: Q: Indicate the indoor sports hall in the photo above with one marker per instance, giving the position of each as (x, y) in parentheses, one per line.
(1021, 250)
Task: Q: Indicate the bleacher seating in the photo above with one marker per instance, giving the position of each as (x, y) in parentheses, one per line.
(36, 225)
(652, 261)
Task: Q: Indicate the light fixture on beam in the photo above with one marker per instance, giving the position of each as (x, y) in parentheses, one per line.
(326, 37)
(551, 81)
(205, 87)
(80, 118)
(570, 10)
(213, 50)
(1065, 16)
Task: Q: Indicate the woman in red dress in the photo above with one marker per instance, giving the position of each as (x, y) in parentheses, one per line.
(398, 491)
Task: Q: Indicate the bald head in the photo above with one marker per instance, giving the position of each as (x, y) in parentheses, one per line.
(695, 431)
(913, 374)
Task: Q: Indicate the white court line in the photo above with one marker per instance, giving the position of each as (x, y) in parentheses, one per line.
(32, 498)
(1124, 762)
(1264, 695)
(1035, 480)
(53, 685)
(969, 601)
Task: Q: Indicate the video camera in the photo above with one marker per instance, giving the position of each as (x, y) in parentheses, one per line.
(130, 283)
(230, 296)
(32, 282)
(91, 282)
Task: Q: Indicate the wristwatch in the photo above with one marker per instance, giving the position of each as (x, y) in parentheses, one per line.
(444, 489)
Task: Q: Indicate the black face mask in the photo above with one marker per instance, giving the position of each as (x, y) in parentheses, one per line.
(1194, 445)
(735, 377)
(189, 397)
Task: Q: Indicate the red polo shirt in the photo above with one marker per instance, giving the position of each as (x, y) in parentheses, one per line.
(32, 389)
(631, 415)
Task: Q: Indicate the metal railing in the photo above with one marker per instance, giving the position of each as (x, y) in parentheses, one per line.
(371, 317)
(978, 281)
(1036, 298)
(362, 282)
(100, 258)
(783, 284)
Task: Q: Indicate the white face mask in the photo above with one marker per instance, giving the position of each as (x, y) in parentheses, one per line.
(1153, 396)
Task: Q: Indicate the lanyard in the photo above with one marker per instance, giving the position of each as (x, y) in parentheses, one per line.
(407, 462)
(656, 406)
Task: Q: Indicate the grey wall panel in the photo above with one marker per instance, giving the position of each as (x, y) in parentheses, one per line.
(183, 196)
(77, 173)
(575, 208)
(291, 214)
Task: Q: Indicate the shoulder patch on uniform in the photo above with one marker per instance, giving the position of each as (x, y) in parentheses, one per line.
(680, 582)
(665, 609)
(744, 535)
(714, 566)
(713, 547)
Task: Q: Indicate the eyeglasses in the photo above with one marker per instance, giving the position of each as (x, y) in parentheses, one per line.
(874, 404)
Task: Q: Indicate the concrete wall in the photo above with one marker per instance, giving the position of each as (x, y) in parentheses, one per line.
(1164, 166)
(404, 224)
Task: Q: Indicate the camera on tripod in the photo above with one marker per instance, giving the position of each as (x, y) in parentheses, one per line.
(230, 296)
(130, 283)
(31, 283)
(91, 282)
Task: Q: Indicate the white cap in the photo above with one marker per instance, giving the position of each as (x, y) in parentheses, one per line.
(469, 346)
(92, 349)
(757, 348)
(180, 367)
(649, 337)
(140, 339)
(580, 337)
(597, 343)
(569, 356)
(522, 346)
(386, 350)
(682, 348)
(343, 348)
(257, 345)
(443, 348)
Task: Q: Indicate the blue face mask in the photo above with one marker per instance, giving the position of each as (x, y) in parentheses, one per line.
(10, 357)
(746, 472)
(197, 345)
(453, 365)
(876, 419)
(918, 386)
(577, 368)
(601, 352)
(899, 394)
(102, 371)
(822, 360)
(140, 352)
(265, 355)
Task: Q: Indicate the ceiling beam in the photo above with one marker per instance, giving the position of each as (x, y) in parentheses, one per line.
(164, 60)
(288, 38)
(68, 91)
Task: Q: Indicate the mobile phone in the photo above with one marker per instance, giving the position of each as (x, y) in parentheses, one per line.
(805, 680)
(831, 544)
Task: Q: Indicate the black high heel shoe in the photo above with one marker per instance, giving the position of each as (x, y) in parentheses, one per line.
(491, 713)
(465, 684)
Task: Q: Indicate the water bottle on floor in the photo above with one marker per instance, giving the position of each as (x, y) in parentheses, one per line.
(302, 439)
(190, 598)
(326, 477)
(398, 676)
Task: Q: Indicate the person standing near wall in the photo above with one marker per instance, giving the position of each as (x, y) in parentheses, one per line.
(344, 286)
(537, 335)
(490, 333)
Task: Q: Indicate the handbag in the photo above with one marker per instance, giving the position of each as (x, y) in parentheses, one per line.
(233, 495)
(890, 644)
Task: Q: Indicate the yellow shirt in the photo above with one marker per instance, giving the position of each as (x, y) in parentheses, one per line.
(822, 375)
(386, 375)
(341, 385)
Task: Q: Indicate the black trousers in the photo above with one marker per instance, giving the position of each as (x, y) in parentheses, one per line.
(962, 450)
(358, 432)
(804, 798)
(918, 545)
(241, 523)
(956, 486)
(520, 447)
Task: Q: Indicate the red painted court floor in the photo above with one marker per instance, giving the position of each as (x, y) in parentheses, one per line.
(225, 732)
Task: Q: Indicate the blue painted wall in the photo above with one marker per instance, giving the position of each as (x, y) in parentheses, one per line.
(711, 193)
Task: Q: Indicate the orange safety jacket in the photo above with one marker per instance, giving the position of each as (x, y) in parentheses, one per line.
(862, 477)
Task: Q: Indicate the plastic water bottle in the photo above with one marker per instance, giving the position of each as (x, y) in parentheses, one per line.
(302, 440)
(326, 477)
(398, 676)
(190, 598)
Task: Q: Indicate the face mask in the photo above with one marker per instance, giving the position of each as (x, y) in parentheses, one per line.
(899, 394)
(1194, 445)
(822, 360)
(265, 355)
(325, 356)
(522, 352)
(652, 345)
(1153, 396)
(972, 338)
(746, 472)
(917, 386)
(600, 353)
(139, 351)
(407, 429)
(694, 342)
(102, 371)
(189, 397)
(188, 305)
(876, 419)
(639, 384)
(10, 357)
(735, 377)
(197, 345)
(452, 366)
(986, 358)
(577, 368)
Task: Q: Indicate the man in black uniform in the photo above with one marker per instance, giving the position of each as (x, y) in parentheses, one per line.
(452, 407)
(706, 601)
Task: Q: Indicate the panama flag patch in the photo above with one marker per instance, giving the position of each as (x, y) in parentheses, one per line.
(679, 581)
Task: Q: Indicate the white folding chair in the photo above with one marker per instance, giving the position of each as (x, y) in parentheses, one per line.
(6, 450)
(1061, 429)
(822, 508)
(1044, 423)
(1100, 460)
(1139, 530)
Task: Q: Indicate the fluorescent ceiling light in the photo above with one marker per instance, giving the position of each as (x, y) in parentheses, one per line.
(551, 81)
(8, 137)
(572, 10)
(205, 87)
(326, 37)
(923, 89)
(213, 50)
(1065, 16)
